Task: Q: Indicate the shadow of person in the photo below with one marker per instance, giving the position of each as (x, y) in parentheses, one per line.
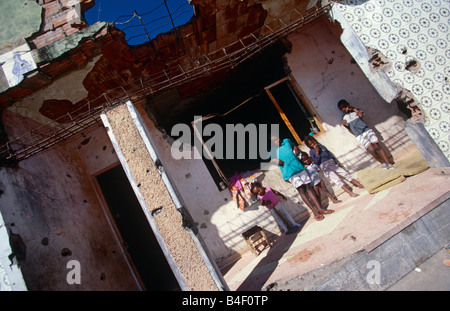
(267, 265)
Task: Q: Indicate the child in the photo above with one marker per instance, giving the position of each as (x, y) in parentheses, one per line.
(317, 183)
(353, 122)
(330, 165)
(292, 170)
(269, 199)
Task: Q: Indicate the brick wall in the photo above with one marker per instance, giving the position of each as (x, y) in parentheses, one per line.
(61, 18)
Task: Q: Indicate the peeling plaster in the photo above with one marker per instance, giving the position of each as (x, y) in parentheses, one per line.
(19, 18)
(69, 87)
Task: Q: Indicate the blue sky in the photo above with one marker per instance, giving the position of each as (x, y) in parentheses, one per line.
(153, 14)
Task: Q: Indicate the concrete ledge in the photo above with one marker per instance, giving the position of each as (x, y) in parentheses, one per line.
(392, 259)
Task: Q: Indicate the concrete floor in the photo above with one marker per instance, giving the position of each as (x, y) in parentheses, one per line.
(358, 224)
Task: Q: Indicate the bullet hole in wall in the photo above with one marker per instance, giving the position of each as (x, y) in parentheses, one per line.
(66, 252)
(44, 241)
(86, 141)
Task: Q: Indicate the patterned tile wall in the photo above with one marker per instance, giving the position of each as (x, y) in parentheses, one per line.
(410, 32)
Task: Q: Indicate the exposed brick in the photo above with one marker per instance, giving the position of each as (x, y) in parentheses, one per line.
(48, 37)
(51, 8)
(64, 17)
(69, 3)
(57, 68)
(78, 58)
(69, 29)
(19, 92)
(35, 80)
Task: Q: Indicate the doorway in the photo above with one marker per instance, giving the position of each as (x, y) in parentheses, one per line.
(138, 238)
(282, 104)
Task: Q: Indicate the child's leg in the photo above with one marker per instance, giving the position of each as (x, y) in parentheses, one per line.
(278, 220)
(324, 189)
(317, 190)
(341, 171)
(356, 183)
(371, 150)
(347, 189)
(328, 169)
(377, 148)
(280, 208)
(309, 196)
(302, 191)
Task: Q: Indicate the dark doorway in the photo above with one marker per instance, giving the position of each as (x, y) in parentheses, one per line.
(140, 241)
(259, 110)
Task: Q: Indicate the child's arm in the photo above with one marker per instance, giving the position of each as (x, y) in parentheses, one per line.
(344, 123)
(277, 162)
(280, 194)
(263, 202)
(358, 112)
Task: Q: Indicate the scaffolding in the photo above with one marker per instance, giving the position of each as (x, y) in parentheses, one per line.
(226, 58)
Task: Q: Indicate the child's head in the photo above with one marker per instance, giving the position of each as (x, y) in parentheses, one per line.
(257, 188)
(310, 142)
(343, 105)
(305, 158)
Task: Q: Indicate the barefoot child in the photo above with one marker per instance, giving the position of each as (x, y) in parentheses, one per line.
(317, 183)
(330, 166)
(269, 199)
(353, 122)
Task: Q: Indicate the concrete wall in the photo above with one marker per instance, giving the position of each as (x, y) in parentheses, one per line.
(50, 201)
(410, 31)
(326, 72)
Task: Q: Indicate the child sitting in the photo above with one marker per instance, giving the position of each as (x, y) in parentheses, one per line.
(330, 166)
(268, 198)
(317, 183)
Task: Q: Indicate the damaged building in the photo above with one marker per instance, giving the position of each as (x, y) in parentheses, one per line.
(88, 177)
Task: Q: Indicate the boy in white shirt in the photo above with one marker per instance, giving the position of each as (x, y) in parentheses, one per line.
(353, 122)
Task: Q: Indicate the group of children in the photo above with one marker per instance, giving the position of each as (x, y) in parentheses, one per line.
(302, 170)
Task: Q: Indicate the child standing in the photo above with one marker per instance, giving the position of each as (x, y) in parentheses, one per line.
(292, 170)
(317, 183)
(353, 122)
(269, 199)
(330, 165)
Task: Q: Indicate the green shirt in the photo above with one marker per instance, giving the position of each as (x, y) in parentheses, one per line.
(292, 164)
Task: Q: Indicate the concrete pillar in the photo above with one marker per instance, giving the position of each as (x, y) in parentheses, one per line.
(425, 144)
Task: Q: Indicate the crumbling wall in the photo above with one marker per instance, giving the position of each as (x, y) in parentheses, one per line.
(169, 221)
(48, 200)
(326, 72)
